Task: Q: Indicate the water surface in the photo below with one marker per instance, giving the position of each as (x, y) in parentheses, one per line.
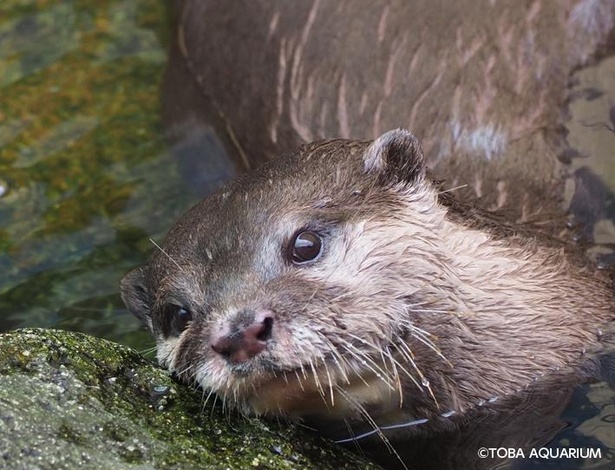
(86, 177)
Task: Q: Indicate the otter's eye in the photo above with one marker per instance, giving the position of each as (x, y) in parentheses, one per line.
(176, 318)
(306, 247)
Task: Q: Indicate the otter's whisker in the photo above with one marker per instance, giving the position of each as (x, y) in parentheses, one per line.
(213, 406)
(376, 348)
(148, 350)
(434, 311)
(401, 345)
(299, 379)
(388, 358)
(369, 363)
(355, 370)
(393, 362)
(165, 253)
(352, 436)
(358, 373)
(183, 371)
(330, 381)
(423, 337)
(234, 396)
(211, 392)
(404, 369)
(337, 358)
(372, 423)
(303, 372)
(404, 355)
(321, 390)
(453, 189)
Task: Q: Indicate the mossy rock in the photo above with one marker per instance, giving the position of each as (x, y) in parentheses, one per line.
(68, 400)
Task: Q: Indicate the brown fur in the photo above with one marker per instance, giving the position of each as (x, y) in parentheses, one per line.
(419, 306)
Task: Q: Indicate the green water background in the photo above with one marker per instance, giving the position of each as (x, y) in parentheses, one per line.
(86, 177)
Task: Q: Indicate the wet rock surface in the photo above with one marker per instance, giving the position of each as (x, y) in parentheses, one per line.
(68, 400)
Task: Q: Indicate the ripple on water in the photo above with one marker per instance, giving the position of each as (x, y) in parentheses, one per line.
(591, 137)
(86, 177)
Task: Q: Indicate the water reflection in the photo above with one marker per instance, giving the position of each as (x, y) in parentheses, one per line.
(86, 177)
(591, 137)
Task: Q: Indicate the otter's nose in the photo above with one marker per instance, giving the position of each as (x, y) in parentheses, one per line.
(243, 343)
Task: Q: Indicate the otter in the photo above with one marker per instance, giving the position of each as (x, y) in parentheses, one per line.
(341, 285)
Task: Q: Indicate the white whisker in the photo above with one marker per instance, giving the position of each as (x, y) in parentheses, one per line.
(165, 253)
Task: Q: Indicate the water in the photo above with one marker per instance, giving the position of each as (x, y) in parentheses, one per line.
(86, 177)
(590, 132)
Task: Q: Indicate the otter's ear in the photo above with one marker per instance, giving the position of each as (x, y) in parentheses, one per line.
(135, 295)
(396, 156)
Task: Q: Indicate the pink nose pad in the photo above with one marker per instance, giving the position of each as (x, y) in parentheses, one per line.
(242, 344)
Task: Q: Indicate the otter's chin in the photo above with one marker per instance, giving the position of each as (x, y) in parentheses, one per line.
(298, 394)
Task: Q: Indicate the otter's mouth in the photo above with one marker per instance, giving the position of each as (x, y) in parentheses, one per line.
(340, 380)
(308, 390)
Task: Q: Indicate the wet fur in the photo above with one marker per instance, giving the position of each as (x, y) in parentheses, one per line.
(420, 305)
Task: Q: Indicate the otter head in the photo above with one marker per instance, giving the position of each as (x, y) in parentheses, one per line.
(284, 292)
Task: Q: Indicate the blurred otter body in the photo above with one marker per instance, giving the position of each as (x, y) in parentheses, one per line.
(339, 283)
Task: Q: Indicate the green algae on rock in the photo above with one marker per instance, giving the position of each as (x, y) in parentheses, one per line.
(68, 400)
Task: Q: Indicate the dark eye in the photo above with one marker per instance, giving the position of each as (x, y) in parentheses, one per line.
(176, 319)
(306, 247)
